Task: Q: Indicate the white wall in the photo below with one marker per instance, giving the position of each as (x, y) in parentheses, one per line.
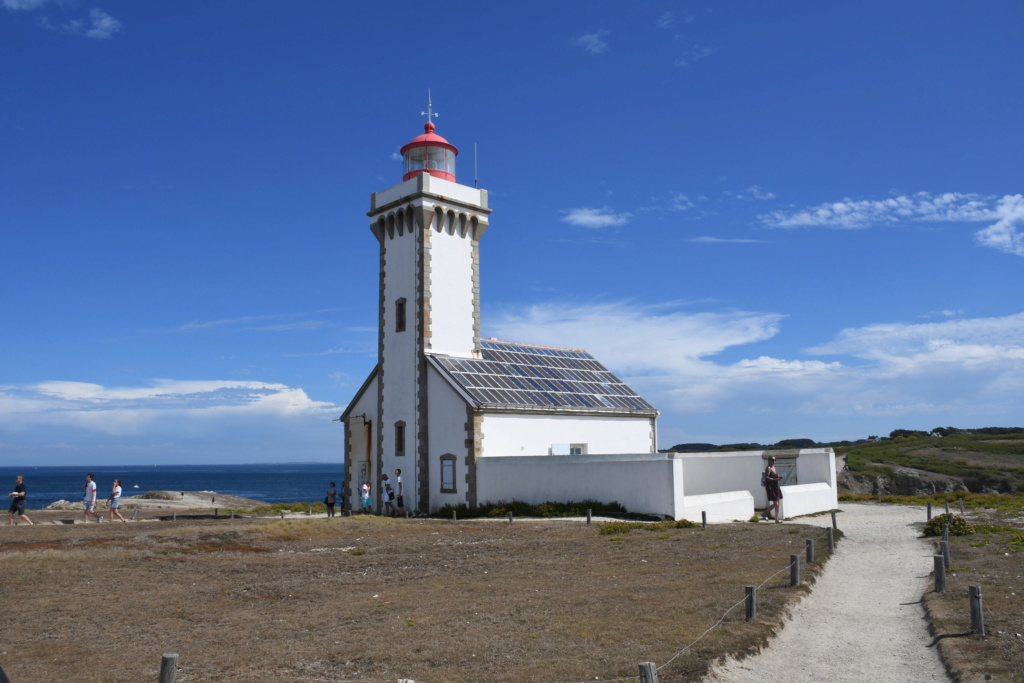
(446, 434)
(509, 434)
(647, 483)
(356, 448)
(450, 304)
(726, 486)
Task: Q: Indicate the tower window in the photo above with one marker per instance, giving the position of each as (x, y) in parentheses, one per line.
(400, 438)
(448, 473)
(400, 315)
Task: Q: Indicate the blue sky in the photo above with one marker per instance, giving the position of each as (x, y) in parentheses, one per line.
(774, 219)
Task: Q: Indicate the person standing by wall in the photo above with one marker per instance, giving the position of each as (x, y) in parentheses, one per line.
(17, 497)
(331, 499)
(366, 499)
(400, 500)
(89, 501)
(774, 490)
(115, 501)
(388, 495)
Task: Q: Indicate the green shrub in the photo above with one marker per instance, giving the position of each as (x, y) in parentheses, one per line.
(519, 508)
(958, 526)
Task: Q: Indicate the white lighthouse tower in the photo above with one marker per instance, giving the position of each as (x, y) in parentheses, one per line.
(428, 228)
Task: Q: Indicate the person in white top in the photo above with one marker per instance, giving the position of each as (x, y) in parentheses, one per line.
(115, 501)
(89, 502)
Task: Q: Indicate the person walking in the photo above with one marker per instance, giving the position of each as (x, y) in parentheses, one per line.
(89, 501)
(366, 499)
(331, 499)
(400, 500)
(388, 495)
(17, 497)
(115, 501)
(774, 491)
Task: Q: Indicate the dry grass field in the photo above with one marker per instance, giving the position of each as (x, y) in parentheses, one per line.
(992, 558)
(373, 599)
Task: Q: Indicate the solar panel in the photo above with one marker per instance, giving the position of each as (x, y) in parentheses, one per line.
(527, 376)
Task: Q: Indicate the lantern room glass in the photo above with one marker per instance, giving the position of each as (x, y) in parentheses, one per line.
(429, 158)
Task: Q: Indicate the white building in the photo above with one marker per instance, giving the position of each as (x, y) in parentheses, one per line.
(470, 420)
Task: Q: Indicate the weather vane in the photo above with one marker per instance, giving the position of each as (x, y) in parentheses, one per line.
(429, 113)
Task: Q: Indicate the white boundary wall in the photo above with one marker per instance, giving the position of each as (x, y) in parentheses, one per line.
(726, 486)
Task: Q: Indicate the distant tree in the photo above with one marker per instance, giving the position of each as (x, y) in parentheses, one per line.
(944, 431)
(873, 437)
(690, 447)
(796, 443)
(907, 434)
(743, 447)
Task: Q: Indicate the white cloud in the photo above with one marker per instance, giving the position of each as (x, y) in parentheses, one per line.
(162, 406)
(755, 192)
(604, 217)
(693, 55)
(951, 207)
(98, 26)
(257, 323)
(680, 202)
(592, 43)
(26, 5)
(667, 20)
(721, 240)
(1005, 234)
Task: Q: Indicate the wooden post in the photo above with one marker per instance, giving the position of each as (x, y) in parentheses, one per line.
(232, 514)
(940, 573)
(929, 512)
(794, 570)
(310, 514)
(509, 516)
(648, 672)
(946, 556)
(168, 668)
(977, 616)
(588, 515)
(704, 519)
(216, 511)
(945, 533)
(831, 541)
(834, 526)
(134, 513)
(879, 494)
(810, 550)
(453, 515)
(751, 603)
(961, 502)
(282, 514)
(174, 516)
(947, 508)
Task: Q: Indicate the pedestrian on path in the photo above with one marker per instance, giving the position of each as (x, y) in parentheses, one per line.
(115, 501)
(17, 497)
(89, 501)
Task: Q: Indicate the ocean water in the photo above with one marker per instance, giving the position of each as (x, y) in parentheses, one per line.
(272, 483)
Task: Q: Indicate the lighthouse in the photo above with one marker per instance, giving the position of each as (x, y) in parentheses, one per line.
(441, 398)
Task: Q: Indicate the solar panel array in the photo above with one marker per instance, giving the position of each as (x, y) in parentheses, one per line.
(534, 376)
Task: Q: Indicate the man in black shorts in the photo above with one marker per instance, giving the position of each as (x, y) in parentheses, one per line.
(400, 499)
(17, 497)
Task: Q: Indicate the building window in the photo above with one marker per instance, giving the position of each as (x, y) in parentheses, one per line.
(577, 449)
(400, 438)
(448, 473)
(400, 315)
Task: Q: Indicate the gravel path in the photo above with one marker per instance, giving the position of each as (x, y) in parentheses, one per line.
(863, 620)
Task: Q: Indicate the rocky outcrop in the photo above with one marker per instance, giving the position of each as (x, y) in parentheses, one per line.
(905, 481)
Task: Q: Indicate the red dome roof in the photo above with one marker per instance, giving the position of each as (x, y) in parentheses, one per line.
(429, 138)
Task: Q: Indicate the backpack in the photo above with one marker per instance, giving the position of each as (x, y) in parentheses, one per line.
(764, 478)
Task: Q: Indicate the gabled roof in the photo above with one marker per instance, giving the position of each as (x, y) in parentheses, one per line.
(527, 377)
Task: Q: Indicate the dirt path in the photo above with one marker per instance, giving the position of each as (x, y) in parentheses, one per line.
(863, 621)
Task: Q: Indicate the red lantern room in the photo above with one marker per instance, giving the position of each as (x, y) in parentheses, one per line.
(429, 153)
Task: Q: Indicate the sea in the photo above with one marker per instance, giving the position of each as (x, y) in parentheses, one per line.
(271, 483)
